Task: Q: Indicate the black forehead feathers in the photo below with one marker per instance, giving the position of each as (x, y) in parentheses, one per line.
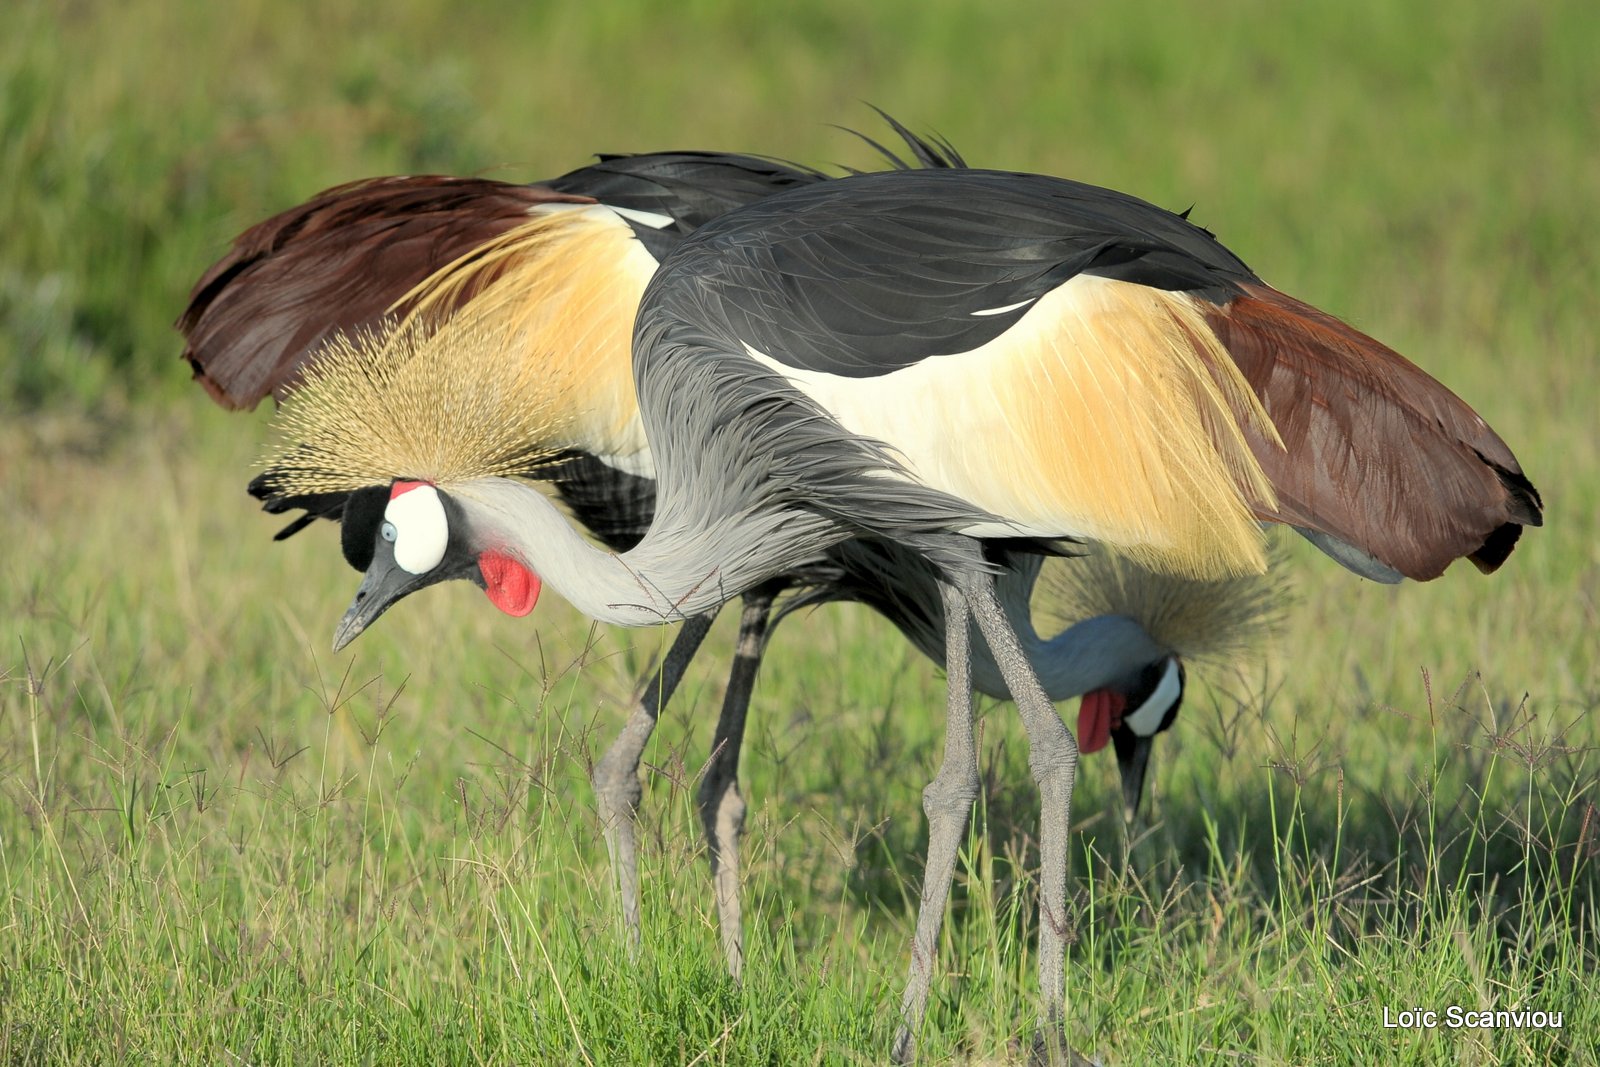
(358, 533)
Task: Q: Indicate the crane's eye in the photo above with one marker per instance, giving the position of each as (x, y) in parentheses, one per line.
(388, 531)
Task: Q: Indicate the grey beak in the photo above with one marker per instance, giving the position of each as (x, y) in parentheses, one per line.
(1132, 760)
(368, 604)
(383, 585)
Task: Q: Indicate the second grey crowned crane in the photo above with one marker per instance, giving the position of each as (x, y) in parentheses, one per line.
(935, 359)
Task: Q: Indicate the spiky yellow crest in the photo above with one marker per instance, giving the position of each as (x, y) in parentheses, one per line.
(1216, 620)
(441, 405)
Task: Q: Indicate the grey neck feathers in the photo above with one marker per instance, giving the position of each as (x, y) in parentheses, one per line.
(732, 439)
(673, 573)
(1086, 656)
(905, 590)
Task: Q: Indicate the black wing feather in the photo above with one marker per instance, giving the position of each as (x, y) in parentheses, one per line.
(868, 274)
(691, 188)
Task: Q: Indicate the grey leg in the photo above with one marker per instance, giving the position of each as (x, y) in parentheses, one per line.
(1053, 758)
(616, 776)
(721, 805)
(947, 802)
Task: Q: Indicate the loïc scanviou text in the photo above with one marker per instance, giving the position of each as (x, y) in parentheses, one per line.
(1456, 1017)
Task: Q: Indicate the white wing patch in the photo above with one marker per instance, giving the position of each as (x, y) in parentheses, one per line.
(644, 218)
(1001, 311)
(421, 530)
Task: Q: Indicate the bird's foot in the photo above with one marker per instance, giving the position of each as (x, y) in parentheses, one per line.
(1050, 1048)
(904, 1049)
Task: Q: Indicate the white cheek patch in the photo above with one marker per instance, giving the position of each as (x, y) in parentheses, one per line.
(421, 530)
(1147, 720)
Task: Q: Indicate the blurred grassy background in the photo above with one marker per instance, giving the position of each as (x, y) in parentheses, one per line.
(1337, 149)
(207, 852)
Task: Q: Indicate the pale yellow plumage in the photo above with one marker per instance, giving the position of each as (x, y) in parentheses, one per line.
(536, 361)
(1106, 412)
(566, 284)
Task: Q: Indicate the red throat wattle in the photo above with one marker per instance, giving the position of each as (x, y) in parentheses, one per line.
(512, 588)
(1099, 713)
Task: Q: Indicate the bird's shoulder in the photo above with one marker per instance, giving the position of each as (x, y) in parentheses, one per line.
(689, 187)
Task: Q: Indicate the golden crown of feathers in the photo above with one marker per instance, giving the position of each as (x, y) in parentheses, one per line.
(409, 401)
(1214, 621)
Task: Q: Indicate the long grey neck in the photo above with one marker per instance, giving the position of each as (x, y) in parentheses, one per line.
(1085, 656)
(669, 575)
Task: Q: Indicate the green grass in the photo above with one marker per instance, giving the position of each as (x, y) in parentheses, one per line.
(221, 844)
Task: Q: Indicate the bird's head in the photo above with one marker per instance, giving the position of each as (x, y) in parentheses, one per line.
(1185, 622)
(411, 534)
(391, 417)
(1130, 713)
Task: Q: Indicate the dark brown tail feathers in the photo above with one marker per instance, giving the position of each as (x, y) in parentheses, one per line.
(1378, 455)
(334, 263)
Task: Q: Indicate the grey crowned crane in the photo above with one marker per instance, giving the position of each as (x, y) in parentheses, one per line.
(934, 359)
(567, 261)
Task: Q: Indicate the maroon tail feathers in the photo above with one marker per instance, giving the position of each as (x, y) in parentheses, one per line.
(338, 262)
(1378, 455)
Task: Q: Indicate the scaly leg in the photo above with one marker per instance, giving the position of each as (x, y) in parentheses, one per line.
(1053, 758)
(947, 802)
(720, 802)
(616, 776)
